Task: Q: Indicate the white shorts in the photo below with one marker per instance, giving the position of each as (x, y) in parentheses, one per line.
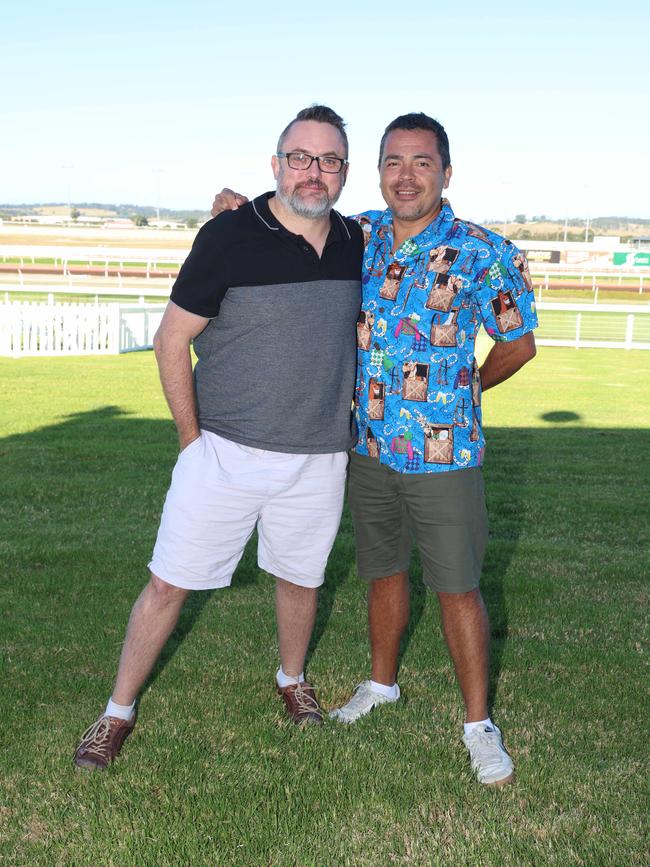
(221, 491)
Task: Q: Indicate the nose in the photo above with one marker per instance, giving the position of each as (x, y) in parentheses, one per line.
(314, 170)
(406, 170)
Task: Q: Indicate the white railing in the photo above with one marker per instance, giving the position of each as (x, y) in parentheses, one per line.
(602, 326)
(138, 324)
(76, 329)
(105, 329)
(134, 290)
(99, 256)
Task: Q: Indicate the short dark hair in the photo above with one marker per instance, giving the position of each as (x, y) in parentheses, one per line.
(419, 120)
(321, 114)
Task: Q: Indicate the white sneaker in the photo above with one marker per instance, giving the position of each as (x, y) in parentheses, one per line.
(490, 761)
(361, 703)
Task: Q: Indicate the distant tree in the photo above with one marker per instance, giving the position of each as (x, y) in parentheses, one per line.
(191, 223)
(520, 218)
(140, 220)
(75, 214)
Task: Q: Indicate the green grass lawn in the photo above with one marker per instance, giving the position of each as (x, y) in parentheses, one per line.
(213, 773)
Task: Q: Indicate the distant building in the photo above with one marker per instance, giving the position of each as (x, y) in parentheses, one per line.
(119, 223)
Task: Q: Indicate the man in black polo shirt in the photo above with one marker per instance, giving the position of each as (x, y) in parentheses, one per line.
(270, 296)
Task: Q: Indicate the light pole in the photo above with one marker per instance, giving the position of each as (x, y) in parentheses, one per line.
(566, 208)
(589, 210)
(504, 222)
(68, 169)
(157, 173)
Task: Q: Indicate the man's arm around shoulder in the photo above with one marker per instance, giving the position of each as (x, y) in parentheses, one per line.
(171, 344)
(506, 358)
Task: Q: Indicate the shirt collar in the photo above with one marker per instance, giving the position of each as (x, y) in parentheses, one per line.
(338, 229)
(429, 237)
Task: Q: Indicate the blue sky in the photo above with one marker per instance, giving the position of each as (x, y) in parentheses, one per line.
(546, 109)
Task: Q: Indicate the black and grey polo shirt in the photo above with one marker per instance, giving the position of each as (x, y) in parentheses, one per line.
(276, 362)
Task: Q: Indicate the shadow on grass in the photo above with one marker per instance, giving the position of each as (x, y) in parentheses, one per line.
(96, 482)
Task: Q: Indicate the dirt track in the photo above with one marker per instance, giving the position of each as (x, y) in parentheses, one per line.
(87, 270)
(94, 271)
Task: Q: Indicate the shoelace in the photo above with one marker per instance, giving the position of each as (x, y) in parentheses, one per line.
(96, 737)
(306, 703)
(360, 697)
(487, 745)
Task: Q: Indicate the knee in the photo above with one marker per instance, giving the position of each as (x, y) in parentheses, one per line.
(164, 594)
(469, 601)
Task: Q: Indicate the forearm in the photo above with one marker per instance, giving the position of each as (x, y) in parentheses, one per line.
(175, 368)
(506, 358)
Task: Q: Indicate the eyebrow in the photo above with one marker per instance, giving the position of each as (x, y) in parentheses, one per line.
(415, 157)
(326, 154)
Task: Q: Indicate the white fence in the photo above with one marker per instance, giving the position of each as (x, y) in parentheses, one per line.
(105, 329)
(76, 329)
(602, 326)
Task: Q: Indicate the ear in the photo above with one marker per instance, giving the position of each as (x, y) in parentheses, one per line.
(275, 166)
(448, 173)
(345, 171)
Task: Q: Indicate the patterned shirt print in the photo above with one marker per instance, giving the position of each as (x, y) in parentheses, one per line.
(418, 390)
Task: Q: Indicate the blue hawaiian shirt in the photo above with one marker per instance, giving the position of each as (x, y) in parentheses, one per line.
(418, 391)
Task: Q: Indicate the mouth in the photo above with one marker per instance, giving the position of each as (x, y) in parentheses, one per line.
(312, 188)
(406, 194)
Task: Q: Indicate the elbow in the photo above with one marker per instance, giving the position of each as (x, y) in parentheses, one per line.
(157, 343)
(529, 348)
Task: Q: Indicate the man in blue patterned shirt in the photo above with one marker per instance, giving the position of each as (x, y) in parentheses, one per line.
(430, 281)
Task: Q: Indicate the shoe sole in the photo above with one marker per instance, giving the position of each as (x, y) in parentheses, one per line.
(502, 782)
(86, 765)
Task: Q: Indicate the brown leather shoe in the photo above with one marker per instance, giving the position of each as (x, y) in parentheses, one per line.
(102, 742)
(301, 704)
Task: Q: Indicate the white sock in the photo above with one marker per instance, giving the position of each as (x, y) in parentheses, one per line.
(382, 689)
(121, 711)
(283, 680)
(483, 722)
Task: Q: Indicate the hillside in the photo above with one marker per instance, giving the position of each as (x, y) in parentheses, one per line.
(97, 209)
(543, 229)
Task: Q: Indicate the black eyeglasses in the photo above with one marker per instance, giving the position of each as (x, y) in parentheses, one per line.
(301, 161)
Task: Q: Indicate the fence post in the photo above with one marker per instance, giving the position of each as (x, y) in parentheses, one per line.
(629, 331)
(115, 329)
(578, 321)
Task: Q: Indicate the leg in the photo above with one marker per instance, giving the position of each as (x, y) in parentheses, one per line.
(467, 632)
(295, 609)
(388, 615)
(383, 543)
(153, 617)
(152, 620)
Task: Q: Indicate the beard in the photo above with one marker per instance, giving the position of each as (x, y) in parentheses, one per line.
(312, 208)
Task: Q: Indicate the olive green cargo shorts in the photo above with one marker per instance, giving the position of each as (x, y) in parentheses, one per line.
(445, 513)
